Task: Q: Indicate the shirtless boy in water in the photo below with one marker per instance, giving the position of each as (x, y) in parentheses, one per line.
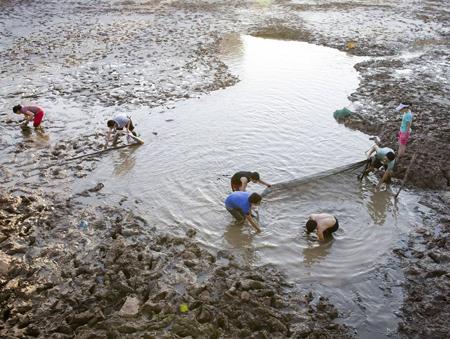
(324, 224)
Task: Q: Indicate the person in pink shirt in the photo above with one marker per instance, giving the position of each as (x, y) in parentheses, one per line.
(31, 113)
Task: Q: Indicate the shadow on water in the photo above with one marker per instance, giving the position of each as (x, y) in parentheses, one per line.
(315, 252)
(240, 240)
(124, 161)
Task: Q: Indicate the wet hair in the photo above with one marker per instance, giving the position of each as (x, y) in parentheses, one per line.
(17, 108)
(254, 176)
(254, 198)
(311, 225)
(390, 156)
(111, 123)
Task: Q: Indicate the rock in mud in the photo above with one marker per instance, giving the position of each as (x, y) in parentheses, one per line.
(130, 308)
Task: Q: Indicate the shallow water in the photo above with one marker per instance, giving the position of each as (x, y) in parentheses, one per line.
(278, 121)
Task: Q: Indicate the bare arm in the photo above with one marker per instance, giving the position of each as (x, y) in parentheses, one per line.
(244, 184)
(108, 136)
(264, 183)
(29, 115)
(372, 150)
(252, 222)
(408, 127)
(385, 177)
(320, 235)
(128, 126)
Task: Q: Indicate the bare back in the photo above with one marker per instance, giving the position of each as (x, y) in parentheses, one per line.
(324, 221)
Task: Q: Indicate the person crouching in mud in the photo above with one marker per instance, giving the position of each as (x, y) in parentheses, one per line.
(240, 204)
(119, 123)
(324, 224)
(384, 156)
(240, 180)
(30, 113)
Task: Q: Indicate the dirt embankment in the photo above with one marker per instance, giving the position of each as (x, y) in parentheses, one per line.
(116, 276)
(426, 307)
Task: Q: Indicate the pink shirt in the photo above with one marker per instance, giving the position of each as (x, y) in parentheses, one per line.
(34, 109)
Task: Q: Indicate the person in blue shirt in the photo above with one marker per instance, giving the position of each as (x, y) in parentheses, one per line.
(405, 127)
(240, 204)
(383, 156)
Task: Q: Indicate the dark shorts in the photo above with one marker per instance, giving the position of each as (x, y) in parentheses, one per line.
(236, 213)
(131, 127)
(377, 163)
(235, 187)
(334, 228)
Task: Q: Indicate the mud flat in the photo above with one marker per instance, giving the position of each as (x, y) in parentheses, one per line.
(122, 278)
(425, 263)
(119, 277)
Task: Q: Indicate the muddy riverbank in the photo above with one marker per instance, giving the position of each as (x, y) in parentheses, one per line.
(60, 280)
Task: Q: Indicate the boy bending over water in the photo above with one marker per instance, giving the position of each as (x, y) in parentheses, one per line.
(324, 224)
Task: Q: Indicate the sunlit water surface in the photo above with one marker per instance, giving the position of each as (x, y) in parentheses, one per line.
(278, 121)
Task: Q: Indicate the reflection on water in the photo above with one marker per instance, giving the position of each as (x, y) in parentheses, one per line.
(38, 136)
(26, 131)
(316, 252)
(278, 121)
(125, 161)
(240, 240)
(381, 202)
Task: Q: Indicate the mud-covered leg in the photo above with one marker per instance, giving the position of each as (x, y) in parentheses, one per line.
(115, 138)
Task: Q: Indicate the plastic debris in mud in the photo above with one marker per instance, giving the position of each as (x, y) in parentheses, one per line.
(350, 45)
(184, 308)
(342, 113)
(83, 225)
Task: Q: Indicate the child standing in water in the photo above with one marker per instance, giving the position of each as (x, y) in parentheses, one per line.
(30, 113)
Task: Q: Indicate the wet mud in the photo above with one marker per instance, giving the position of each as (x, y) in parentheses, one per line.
(426, 258)
(116, 276)
(121, 277)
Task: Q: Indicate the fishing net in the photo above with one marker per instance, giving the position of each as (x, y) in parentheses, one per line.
(312, 177)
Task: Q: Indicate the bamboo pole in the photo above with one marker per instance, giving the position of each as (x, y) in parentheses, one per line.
(406, 174)
(84, 156)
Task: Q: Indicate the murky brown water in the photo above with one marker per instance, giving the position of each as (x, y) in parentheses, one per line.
(278, 121)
